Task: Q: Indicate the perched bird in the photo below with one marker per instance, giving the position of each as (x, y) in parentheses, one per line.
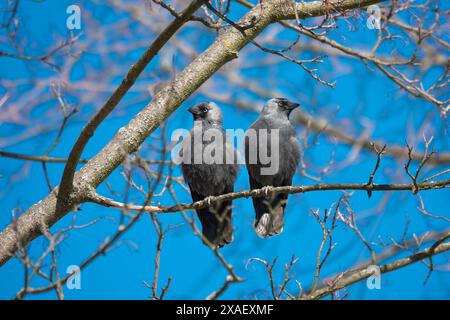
(274, 130)
(210, 168)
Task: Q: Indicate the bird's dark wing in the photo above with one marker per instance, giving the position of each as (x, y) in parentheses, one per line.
(251, 145)
(289, 156)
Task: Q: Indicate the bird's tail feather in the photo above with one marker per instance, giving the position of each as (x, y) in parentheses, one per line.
(269, 219)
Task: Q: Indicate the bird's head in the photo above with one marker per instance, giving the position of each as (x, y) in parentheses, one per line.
(279, 106)
(206, 111)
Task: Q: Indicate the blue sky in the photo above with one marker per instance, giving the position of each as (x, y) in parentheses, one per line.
(360, 95)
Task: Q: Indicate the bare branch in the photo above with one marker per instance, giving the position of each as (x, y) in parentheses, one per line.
(346, 280)
(263, 192)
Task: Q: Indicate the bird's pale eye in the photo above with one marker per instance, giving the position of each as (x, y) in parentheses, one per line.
(203, 109)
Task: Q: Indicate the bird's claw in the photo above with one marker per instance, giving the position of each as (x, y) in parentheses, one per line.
(266, 190)
(209, 200)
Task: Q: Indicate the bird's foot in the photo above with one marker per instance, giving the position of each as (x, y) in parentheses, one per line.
(266, 190)
(209, 200)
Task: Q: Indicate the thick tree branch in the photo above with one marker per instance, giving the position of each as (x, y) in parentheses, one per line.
(127, 140)
(341, 282)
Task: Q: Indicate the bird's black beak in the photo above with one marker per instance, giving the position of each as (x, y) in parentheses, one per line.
(291, 105)
(288, 106)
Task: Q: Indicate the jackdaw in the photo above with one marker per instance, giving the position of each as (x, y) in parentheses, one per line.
(210, 168)
(271, 131)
